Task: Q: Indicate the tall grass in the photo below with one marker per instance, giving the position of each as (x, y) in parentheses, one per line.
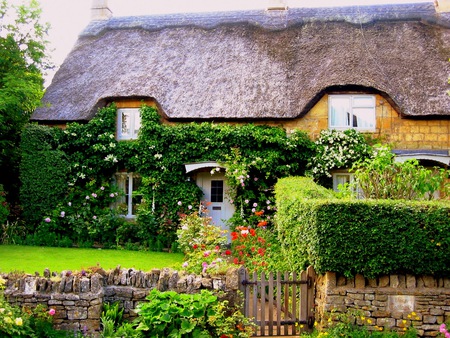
(31, 259)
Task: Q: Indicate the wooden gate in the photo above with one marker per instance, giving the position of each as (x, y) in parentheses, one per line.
(280, 304)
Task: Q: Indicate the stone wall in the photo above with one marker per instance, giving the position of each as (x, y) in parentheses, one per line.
(393, 301)
(78, 297)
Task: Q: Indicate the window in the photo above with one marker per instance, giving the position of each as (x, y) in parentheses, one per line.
(352, 112)
(216, 191)
(128, 123)
(341, 178)
(128, 184)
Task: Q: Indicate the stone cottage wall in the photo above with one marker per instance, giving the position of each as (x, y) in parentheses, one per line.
(393, 301)
(78, 298)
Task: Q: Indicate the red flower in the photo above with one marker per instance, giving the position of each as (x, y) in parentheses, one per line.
(252, 232)
(236, 260)
(261, 251)
(195, 246)
(234, 236)
(259, 213)
(262, 223)
(227, 252)
(224, 336)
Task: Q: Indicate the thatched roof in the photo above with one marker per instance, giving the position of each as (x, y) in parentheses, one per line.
(257, 64)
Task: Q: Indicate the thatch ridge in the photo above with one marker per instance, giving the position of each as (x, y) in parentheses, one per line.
(256, 64)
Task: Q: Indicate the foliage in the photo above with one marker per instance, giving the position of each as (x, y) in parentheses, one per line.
(22, 59)
(337, 149)
(382, 177)
(43, 173)
(113, 324)
(26, 322)
(346, 235)
(4, 208)
(203, 245)
(169, 314)
(93, 156)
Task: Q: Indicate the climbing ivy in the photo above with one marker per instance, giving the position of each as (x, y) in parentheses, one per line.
(254, 157)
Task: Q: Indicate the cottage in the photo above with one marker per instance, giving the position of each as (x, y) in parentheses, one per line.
(382, 70)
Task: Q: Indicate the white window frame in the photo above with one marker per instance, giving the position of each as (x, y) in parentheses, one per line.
(352, 113)
(124, 182)
(135, 123)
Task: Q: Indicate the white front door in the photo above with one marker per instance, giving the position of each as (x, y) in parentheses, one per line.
(215, 189)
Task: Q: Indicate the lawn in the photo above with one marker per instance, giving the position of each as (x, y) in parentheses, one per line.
(31, 259)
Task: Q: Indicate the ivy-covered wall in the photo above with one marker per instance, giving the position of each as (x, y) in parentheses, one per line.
(85, 158)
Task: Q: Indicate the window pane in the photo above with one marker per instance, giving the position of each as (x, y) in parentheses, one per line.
(137, 123)
(363, 118)
(363, 101)
(125, 123)
(340, 111)
(216, 191)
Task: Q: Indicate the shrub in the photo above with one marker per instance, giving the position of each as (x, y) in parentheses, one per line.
(338, 149)
(370, 237)
(381, 177)
(169, 314)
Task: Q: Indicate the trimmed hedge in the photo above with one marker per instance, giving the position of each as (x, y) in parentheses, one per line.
(368, 237)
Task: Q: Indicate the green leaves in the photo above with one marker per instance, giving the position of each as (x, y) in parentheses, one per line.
(370, 237)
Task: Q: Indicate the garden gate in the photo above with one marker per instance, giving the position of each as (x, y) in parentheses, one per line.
(281, 304)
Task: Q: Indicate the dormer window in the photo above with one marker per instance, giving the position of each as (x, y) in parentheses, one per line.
(351, 112)
(128, 123)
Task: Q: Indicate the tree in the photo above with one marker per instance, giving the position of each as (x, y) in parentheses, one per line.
(22, 62)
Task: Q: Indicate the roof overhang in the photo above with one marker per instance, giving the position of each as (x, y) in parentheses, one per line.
(190, 167)
(441, 156)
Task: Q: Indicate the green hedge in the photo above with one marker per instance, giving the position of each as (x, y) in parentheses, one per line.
(43, 173)
(370, 237)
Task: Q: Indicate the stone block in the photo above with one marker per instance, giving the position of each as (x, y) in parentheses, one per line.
(96, 283)
(410, 281)
(94, 312)
(85, 284)
(68, 285)
(360, 281)
(428, 319)
(386, 322)
(77, 313)
(383, 281)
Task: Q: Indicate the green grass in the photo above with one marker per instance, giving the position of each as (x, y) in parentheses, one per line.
(31, 259)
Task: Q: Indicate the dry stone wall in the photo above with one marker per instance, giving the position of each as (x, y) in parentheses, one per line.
(393, 301)
(78, 297)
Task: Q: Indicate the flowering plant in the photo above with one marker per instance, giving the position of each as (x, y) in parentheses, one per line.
(202, 243)
(338, 149)
(16, 322)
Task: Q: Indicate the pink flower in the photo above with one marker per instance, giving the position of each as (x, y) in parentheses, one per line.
(189, 207)
(179, 203)
(102, 188)
(205, 266)
(206, 253)
(185, 264)
(47, 220)
(51, 312)
(94, 194)
(87, 197)
(111, 195)
(255, 205)
(442, 328)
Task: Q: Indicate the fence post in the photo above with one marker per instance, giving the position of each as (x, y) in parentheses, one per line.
(243, 276)
(311, 277)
